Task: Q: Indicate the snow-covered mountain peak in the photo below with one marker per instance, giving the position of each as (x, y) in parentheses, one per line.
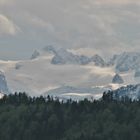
(98, 60)
(54, 67)
(50, 49)
(117, 79)
(131, 91)
(63, 56)
(3, 83)
(126, 61)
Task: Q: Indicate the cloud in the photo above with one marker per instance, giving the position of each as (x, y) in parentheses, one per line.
(38, 22)
(110, 2)
(7, 27)
(6, 2)
(106, 26)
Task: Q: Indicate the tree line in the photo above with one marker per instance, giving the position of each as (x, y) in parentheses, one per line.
(39, 118)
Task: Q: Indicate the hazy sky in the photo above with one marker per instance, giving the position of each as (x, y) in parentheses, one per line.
(106, 26)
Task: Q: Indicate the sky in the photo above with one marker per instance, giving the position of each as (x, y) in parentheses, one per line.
(103, 26)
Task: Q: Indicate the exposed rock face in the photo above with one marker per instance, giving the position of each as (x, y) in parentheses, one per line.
(50, 49)
(63, 56)
(117, 79)
(98, 60)
(3, 84)
(35, 54)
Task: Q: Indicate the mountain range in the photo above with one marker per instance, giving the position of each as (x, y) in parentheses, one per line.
(60, 72)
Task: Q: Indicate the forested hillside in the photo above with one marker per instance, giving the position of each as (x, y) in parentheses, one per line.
(26, 118)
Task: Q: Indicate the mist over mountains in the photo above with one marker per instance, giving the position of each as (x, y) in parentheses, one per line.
(67, 74)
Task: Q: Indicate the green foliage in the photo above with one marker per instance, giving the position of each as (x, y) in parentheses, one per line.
(26, 118)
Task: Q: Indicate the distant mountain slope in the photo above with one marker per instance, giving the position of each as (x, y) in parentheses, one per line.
(117, 79)
(35, 54)
(62, 56)
(69, 74)
(3, 84)
(123, 63)
(131, 91)
(126, 61)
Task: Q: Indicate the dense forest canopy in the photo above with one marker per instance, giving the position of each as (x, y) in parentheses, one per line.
(26, 118)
